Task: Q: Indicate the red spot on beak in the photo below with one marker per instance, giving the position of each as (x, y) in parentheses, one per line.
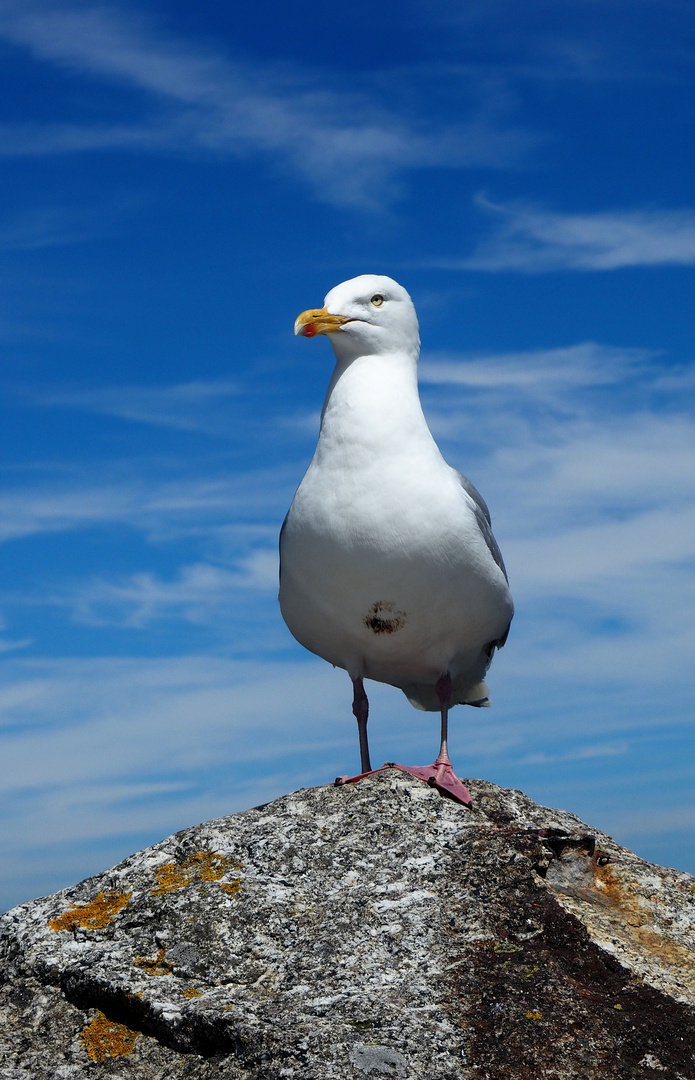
(309, 330)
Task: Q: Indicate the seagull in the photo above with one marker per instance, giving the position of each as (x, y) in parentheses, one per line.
(389, 568)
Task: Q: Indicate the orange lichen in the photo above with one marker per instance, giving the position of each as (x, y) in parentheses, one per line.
(170, 877)
(100, 911)
(201, 865)
(102, 1038)
(212, 865)
(156, 966)
(231, 887)
(192, 992)
(535, 1015)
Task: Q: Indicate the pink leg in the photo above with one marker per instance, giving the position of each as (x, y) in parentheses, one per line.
(443, 692)
(440, 774)
(360, 707)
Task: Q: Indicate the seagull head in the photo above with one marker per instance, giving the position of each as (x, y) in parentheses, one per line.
(367, 315)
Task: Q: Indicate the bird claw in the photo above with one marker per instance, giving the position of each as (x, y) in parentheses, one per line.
(340, 780)
(440, 775)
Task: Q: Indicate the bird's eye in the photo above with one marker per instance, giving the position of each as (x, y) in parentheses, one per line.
(377, 300)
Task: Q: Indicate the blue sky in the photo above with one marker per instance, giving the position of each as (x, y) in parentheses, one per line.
(178, 183)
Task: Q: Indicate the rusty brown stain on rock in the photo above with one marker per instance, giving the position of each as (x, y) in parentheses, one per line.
(94, 915)
(590, 1017)
(384, 617)
(618, 914)
(637, 924)
(102, 1038)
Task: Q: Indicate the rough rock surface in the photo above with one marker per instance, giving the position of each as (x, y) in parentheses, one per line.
(370, 930)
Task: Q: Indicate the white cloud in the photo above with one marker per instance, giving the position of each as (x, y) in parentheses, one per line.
(673, 819)
(628, 464)
(52, 226)
(96, 752)
(584, 455)
(348, 148)
(192, 406)
(198, 594)
(7, 645)
(43, 510)
(535, 240)
(146, 499)
(538, 372)
(596, 750)
(97, 717)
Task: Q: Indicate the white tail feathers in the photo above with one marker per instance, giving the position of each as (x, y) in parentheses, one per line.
(477, 695)
(423, 696)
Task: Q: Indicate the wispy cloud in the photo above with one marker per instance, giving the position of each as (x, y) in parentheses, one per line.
(192, 406)
(607, 553)
(589, 401)
(53, 226)
(534, 240)
(7, 644)
(584, 455)
(146, 498)
(125, 744)
(674, 819)
(538, 372)
(198, 594)
(46, 509)
(595, 750)
(572, 41)
(350, 149)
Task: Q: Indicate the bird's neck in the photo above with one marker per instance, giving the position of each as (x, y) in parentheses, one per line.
(373, 407)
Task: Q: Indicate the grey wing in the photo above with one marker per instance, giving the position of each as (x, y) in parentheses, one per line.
(475, 495)
(482, 516)
(282, 529)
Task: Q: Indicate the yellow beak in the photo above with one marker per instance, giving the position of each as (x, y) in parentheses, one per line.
(318, 321)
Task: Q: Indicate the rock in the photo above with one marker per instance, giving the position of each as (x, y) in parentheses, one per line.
(357, 932)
